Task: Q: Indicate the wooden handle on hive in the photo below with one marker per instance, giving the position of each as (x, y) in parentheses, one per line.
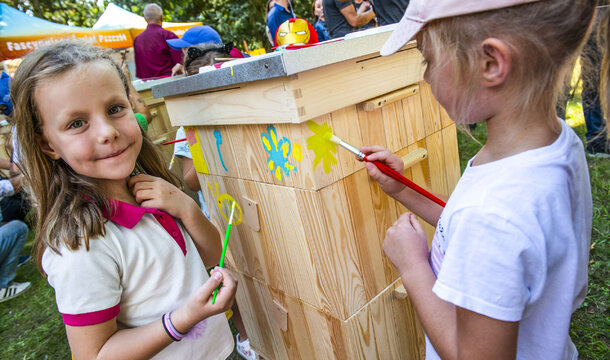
(390, 97)
(414, 157)
(400, 292)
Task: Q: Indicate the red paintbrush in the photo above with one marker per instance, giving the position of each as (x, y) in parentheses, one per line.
(173, 141)
(387, 170)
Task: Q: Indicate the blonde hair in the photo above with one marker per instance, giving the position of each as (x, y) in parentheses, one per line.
(543, 37)
(68, 205)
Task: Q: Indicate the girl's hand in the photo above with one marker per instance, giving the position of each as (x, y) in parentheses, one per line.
(379, 153)
(405, 243)
(199, 305)
(153, 192)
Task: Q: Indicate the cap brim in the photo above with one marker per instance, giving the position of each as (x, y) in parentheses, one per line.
(404, 32)
(177, 44)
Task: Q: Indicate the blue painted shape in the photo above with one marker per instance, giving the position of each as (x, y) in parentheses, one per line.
(278, 153)
(218, 137)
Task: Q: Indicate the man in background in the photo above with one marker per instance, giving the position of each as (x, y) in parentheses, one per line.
(153, 57)
(389, 11)
(343, 18)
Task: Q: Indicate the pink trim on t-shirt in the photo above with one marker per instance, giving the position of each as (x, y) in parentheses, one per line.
(92, 318)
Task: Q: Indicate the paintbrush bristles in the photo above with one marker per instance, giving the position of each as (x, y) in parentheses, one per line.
(335, 139)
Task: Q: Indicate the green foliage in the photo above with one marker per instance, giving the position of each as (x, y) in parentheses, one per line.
(75, 13)
(235, 20)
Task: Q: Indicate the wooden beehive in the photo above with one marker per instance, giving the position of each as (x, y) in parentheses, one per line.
(306, 248)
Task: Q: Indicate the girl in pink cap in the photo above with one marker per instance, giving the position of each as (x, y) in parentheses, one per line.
(507, 266)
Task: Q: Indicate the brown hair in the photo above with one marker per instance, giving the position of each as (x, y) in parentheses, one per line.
(68, 205)
(544, 37)
(604, 93)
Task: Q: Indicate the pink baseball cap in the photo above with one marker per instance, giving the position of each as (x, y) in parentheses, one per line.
(421, 12)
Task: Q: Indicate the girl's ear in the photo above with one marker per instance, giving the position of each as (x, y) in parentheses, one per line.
(46, 148)
(496, 63)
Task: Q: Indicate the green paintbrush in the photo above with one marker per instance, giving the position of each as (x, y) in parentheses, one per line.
(224, 246)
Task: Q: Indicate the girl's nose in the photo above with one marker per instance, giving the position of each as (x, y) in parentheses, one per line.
(106, 130)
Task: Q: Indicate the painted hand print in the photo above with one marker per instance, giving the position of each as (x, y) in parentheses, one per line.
(322, 147)
(224, 202)
(278, 153)
(218, 137)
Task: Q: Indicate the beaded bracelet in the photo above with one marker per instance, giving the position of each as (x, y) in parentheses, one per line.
(170, 329)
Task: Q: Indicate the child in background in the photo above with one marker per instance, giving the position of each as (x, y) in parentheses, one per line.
(508, 262)
(320, 23)
(125, 254)
(195, 57)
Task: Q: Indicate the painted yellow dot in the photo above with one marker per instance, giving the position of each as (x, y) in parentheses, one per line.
(297, 152)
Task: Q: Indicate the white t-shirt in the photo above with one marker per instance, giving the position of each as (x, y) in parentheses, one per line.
(513, 244)
(145, 266)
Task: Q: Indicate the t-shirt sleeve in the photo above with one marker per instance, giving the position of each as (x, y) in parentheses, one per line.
(182, 148)
(87, 283)
(342, 4)
(490, 265)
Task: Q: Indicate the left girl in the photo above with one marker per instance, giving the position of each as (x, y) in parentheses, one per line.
(125, 254)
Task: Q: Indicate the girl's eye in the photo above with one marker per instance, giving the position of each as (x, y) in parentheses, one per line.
(76, 124)
(115, 109)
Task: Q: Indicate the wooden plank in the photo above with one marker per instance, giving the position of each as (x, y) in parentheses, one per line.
(380, 74)
(250, 155)
(430, 109)
(371, 127)
(413, 119)
(451, 156)
(412, 344)
(315, 226)
(368, 242)
(255, 316)
(390, 97)
(343, 123)
(349, 295)
(319, 165)
(286, 235)
(445, 119)
(394, 126)
(434, 145)
(421, 176)
(262, 102)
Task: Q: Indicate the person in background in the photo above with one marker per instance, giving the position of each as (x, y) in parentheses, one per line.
(317, 8)
(280, 12)
(373, 22)
(201, 35)
(342, 17)
(389, 11)
(153, 57)
(12, 240)
(196, 57)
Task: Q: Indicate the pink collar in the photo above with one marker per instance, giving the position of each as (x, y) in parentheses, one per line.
(128, 216)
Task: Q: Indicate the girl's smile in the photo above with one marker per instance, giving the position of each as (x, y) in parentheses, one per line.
(88, 122)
